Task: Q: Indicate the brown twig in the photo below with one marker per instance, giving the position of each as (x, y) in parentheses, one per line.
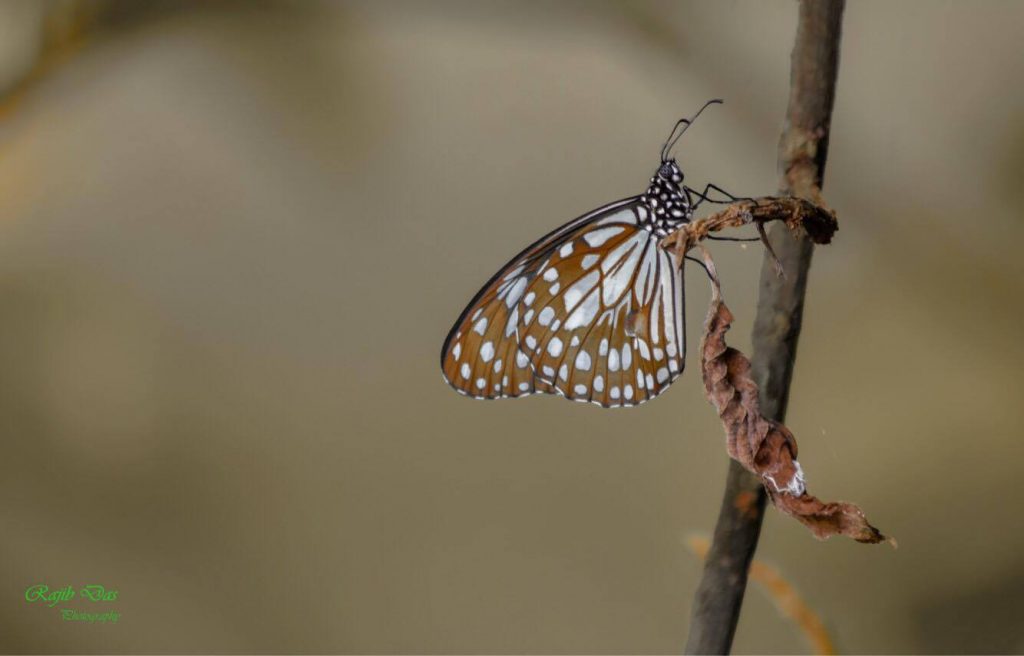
(817, 222)
(802, 154)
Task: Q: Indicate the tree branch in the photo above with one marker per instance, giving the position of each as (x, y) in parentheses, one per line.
(802, 153)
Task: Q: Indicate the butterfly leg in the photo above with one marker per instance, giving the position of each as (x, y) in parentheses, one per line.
(763, 236)
(712, 186)
(732, 199)
(702, 265)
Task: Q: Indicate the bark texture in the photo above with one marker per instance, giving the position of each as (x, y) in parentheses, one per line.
(802, 154)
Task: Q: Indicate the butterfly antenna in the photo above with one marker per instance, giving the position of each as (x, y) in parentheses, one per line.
(685, 123)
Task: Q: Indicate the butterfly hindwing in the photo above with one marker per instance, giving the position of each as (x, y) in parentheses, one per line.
(602, 318)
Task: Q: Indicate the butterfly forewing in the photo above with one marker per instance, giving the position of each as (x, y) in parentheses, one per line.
(593, 312)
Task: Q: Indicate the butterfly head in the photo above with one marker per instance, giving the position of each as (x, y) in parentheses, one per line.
(671, 172)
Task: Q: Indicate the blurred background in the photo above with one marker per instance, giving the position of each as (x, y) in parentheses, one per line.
(234, 235)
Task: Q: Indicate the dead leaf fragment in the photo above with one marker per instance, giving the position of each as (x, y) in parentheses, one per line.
(765, 447)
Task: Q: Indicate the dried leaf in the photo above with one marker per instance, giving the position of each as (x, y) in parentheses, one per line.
(766, 447)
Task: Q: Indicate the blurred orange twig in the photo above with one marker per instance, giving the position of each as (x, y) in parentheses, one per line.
(63, 34)
(784, 596)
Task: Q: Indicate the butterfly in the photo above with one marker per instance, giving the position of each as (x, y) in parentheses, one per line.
(593, 311)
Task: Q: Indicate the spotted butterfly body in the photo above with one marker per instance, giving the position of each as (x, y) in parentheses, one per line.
(592, 311)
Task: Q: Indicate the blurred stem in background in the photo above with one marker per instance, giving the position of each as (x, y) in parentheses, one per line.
(802, 153)
(36, 35)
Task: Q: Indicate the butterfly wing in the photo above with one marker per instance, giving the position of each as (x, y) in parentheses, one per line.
(592, 311)
(606, 322)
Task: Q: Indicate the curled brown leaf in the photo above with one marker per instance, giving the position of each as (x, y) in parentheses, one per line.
(765, 447)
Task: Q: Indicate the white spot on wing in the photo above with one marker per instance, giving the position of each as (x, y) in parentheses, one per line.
(515, 272)
(645, 276)
(551, 274)
(585, 312)
(566, 250)
(465, 371)
(583, 361)
(580, 288)
(616, 283)
(580, 389)
(555, 347)
(622, 216)
(457, 351)
(545, 316)
(589, 260)
(598, 237)
(521, 360)
(487, 351)
(662, 375)
(512, 323)
(515, 292)
(599, 383)
(621, 250)
(481, 326)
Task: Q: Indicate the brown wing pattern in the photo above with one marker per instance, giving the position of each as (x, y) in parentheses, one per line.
(605, 324)
(593, 312)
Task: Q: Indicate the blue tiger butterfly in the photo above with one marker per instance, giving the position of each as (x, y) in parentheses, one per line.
(592, 311)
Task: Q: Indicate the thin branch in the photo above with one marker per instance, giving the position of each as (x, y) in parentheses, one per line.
(817, 222)
(802, 154)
